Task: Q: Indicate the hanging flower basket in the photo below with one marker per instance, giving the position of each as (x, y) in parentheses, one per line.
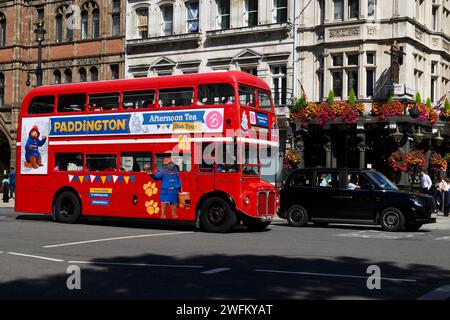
(322, 112)
(426, 113)
(387, 110)
(398, 161)
(416, 161)
(438, 163)
(291, 159)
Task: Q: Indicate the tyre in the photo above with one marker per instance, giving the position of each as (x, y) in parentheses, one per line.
(392, 219)
(255, 224)
(297, 216)
(67, 208)
(413, 227)
(321, 224)
(216, 215)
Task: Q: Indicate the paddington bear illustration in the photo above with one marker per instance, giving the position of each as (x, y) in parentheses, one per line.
(32, 155)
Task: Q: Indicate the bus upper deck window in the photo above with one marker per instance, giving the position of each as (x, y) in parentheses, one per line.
(264, 101)
(138, 99)
(39, 105)
(104, 101)
(216, 94)
(176, 97)
(247, 96)
(71, 103)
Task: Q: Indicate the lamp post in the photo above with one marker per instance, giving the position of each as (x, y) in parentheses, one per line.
(40, 34)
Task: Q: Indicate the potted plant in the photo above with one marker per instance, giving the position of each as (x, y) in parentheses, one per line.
(445, 112)
(291, 159)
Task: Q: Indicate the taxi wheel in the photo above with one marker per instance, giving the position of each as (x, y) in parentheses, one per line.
(392, 219)
(297, 216)
(67, 208)
(216, 215)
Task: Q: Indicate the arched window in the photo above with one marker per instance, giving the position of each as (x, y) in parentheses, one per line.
(95, 23)
(56, 76)
(67, 76)
(2, 30)
(2, 89)
(94, 74)
(83, 75)
(59, 28)
(142, 22)
(69, 27)
(84, 25)
(193, 15)
(115, 18)
(167, 20)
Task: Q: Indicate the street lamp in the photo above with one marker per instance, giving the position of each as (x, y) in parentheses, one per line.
(418, 136)
(439, 139)
(40, 34)
(397, 135)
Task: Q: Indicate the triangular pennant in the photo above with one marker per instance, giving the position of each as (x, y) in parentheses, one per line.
(70, 178)
(86, 177)
(103, 179)
(81, 178)
(115, 178)
(120, 179)
(126, 179)
(132, 178)
(92, 178)
(108, 178)
(97, 179)
(75, 178)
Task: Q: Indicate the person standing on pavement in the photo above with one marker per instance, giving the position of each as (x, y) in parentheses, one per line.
(12, 183)
(442, 194)
(425, 182)
(5, 184)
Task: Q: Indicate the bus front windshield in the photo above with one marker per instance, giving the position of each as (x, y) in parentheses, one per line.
(250, 160)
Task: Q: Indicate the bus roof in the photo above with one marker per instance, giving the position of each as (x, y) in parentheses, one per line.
(159, 82)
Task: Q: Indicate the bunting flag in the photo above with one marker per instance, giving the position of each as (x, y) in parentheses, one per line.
(126, 179)
(103, 179)
(97, 179)
(70, 178)
(81, 178)
(75, 178)
(132, 178)
(92, 178)
(86, 177)
(108, 178)
(120, 179)
(115, 178)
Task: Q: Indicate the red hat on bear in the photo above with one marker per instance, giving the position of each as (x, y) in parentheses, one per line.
(35, 128)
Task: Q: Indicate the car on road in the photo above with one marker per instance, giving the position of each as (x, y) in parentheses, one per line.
(352, 196)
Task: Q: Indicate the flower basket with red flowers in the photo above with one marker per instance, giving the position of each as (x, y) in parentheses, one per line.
(398, 161)
(426, 113)
(416, 161)
(438, 163)
(387, 110)
(291, 159)
(445, 112)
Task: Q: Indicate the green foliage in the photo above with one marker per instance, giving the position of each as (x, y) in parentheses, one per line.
(428, 103)
(446, 104)
(418, 98)
(298, 104)
(352, 97)
(390, 97)
(330, 99)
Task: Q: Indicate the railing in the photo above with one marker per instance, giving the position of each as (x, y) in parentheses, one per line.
(281, 100)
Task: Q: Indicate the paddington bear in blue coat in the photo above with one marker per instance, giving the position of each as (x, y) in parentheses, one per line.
(32, 155)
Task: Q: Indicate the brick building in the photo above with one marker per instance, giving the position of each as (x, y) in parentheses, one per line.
(84, 41)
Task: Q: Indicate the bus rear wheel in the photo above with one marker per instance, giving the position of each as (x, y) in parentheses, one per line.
(216, 215)
(67, 207)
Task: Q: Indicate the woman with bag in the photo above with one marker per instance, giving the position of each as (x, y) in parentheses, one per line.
(5, 184)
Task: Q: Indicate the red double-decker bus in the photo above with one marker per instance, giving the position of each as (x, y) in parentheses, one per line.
(185, 147)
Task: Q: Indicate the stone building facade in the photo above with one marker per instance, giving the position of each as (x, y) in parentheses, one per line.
(84, 41)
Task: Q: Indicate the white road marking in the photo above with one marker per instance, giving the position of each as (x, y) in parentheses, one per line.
(330, 275)
(135, 264)
(441, 293)
(443, 238)
(118, 238)
(36, 257)
(217, 270)
(375, 234)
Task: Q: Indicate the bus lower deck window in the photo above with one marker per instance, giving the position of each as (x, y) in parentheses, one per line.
(68, 162)
(101, 162)
(135, 161)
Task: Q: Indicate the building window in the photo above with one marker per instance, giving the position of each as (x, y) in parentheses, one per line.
(58, 28)
(83, 75)
(321, 4)
(371, 58)
(84, 25)
(371, 8)
(337, 60)
(114, 71)
(352, 81)
(320, 77)
(167, 18)
(94, 74)
(279, 81)
(40, 14)
(2, 30)
(279, 11)
(352, 59)
(142, 22)
(192, 16)
(67, 76)
(69, 27)
(56, 76)
(223, 17)
(250, 70)
(2, 89)
(338, 9)
(353, 9)
(433, 89)
(116, 18)
(251, 13)
(96, 23)
(337, 83)
(434, 17)
(370, 81)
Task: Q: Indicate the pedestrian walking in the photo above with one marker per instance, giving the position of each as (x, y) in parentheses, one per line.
(425, 182)
(12, 183)
(5, 184)
(441, 197)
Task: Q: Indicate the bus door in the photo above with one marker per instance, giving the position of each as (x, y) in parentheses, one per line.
(227, 168)
(204, 159)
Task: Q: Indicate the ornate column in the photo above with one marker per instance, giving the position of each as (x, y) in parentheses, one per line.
(300, 146)
(328, 152)
(362, 150)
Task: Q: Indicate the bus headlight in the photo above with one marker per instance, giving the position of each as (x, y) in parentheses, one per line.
(278, 200)
(247, 200)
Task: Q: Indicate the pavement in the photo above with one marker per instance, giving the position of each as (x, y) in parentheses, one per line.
(125, 259)
(9, 204)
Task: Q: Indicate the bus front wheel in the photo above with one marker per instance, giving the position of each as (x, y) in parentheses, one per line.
(216, 215)
(67, 207)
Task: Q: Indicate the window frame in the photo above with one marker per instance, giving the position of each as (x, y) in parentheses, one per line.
(86, 155)
(147, 91)
(136, 154)
(39, 114)
(71, 112)
(83, 165)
